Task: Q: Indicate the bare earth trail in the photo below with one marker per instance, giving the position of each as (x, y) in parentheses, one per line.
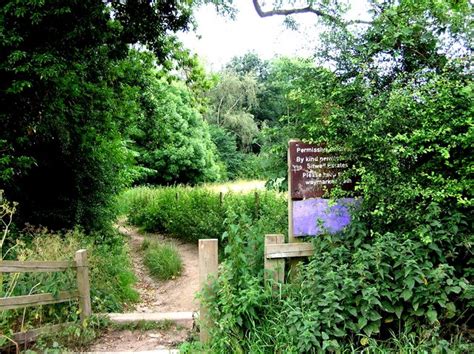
(168, 296)
(176, 295)
(164, 296)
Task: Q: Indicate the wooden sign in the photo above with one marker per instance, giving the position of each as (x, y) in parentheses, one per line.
(313, 171)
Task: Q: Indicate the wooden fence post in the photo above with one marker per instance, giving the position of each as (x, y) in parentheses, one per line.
(83, 286)
(274, 268)
(257, 204)
(208, 264)
(221, 198)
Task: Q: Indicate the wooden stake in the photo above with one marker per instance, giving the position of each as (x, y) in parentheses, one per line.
(83, 286)
(274, 268)
(257, 204)
(208, 264)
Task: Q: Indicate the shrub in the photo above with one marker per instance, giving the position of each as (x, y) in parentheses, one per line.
(163, 260)
(195, 213)
(76, 336)
(348, 291)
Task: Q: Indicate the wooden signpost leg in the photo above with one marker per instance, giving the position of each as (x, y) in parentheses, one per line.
(291, 238)
(83, 286)
(208, 264)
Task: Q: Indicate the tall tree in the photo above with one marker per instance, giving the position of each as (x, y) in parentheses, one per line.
(61, 107)
(231, 100)
(170, 137)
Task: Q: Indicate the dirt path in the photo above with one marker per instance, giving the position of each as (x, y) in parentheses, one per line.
(164, 296)
(174, 295)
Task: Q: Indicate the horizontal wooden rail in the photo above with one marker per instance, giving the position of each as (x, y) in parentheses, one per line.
(82, 294)
(288, 250)
(35, 266)
(14, 302)
(32, 334)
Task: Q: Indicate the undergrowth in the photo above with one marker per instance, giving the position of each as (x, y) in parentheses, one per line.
(111, 276)
(73, 337)
(363, 290)
(382, 294)
(162, 260)
(196, 213)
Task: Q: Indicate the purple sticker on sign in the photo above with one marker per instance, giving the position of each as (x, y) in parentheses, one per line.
(312, 217)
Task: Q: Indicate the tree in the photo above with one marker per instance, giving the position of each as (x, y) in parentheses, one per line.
(62, 109)
(170, 135)
(249, 64)
(231, 100)
(399, 100)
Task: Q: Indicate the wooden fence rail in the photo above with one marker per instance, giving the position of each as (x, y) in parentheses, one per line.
(11, 303)
(275, 253)
(35, 266)
(81, 294)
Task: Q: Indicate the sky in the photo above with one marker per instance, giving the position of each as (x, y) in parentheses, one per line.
(219, 38)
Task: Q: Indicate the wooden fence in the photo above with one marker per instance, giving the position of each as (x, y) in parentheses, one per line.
(275, 253)
(81, 294)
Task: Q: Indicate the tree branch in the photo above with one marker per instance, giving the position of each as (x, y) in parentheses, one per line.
(308, 9)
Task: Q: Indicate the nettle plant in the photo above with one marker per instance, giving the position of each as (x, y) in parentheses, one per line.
(405, 263)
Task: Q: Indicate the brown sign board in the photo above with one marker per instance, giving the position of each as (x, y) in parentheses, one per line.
(315, 169)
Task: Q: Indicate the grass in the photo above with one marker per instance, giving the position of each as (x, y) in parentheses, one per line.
(240, 186)
(111, 278)
(162, 260)
(143, 325)
(75, 337)
(196, 213)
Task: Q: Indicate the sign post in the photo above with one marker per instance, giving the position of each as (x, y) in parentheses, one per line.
(313, 170)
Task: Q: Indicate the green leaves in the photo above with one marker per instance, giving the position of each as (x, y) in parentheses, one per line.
(406, 294)
(432, 316)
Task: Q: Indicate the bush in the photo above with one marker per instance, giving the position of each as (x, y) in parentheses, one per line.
(163, 260)
(404, 266)
(195, 213)
(348, 296)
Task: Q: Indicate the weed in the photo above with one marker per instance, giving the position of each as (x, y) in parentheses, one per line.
(111, 278)
(193, 347)
(145, 244)
(195, 213)
(143, 325)
(72, 337)
(163, 260)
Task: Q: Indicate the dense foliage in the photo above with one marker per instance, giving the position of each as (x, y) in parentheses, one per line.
(195, 213)
(400, 100)
(66, 107)
(169, 139)
(111, 278)
(83, 115)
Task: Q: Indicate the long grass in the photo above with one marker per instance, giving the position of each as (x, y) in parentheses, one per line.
(111, 277)
(196, 213)
(162, 260)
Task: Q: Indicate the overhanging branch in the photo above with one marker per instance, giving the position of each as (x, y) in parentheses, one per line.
(307, 9)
